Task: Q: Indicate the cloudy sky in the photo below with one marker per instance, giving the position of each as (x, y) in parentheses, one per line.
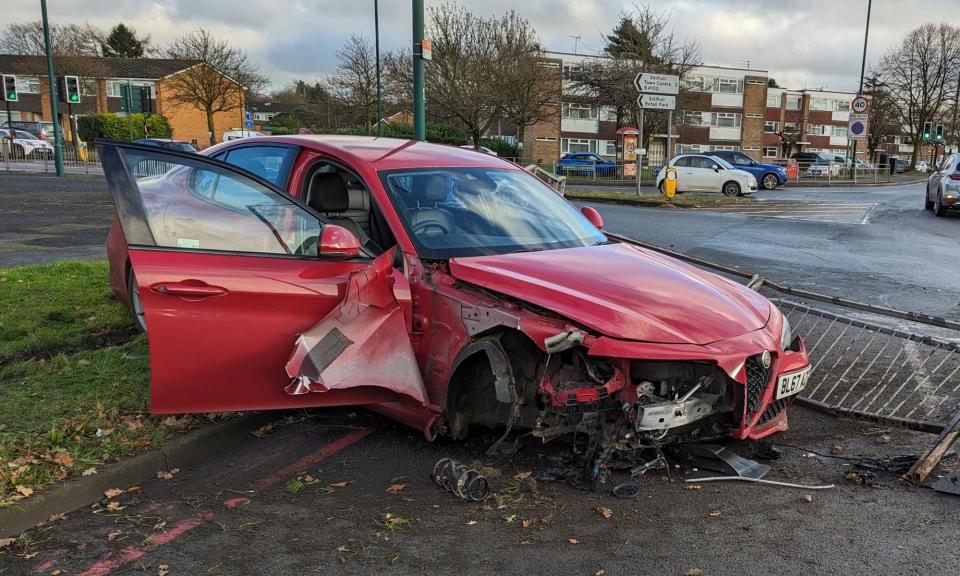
(802, 43)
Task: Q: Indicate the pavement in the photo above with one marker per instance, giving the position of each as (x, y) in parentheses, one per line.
(347, 492)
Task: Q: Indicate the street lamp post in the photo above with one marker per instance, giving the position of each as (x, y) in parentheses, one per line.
(376, 41)
(863, 66)
(51, 81)
(419, 123)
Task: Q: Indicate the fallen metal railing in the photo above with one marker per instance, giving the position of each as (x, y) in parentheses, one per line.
(889, 372)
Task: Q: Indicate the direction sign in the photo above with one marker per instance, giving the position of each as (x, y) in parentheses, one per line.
(858, 126)
(657, 83)
(657, 102)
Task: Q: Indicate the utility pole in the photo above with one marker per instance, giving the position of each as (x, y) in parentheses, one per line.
(376, 41)
(51, 82)
(419, 122)
(863, 66)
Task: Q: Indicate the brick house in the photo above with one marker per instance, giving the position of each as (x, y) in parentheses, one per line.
(723, 108)
(113, 85)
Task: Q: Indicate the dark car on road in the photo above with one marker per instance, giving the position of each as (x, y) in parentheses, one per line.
(168, 144)
(585, 164)
(769, 176)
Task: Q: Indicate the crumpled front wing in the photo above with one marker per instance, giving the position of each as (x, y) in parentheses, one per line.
(362, 342)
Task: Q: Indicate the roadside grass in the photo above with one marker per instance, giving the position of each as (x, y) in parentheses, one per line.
(74, 378)
(687, 200)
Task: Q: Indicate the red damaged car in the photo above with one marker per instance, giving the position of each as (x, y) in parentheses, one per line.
(442, 288)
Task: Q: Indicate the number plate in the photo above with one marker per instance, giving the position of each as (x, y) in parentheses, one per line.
(792, 383)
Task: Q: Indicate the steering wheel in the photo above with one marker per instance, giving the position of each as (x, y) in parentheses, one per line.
(421, 228)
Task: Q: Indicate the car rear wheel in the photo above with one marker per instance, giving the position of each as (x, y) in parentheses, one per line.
(927, 204)
(136, 304)
(769, 181)
(938, 209)
(731, 188)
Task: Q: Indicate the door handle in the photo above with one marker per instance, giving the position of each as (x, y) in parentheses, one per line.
(188, 288)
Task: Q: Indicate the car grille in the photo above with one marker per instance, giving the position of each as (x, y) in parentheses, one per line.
(758, 378)
(773, 410)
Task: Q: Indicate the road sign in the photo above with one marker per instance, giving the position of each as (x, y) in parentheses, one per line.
(858, 126)
(657, 83)
(859, 105)
(248, 124)
(657, 102)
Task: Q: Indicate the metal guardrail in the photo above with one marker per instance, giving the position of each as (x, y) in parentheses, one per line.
(870, 362)
(74, 162)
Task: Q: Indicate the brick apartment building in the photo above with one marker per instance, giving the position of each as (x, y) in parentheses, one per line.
(112, 85)
(723, 109)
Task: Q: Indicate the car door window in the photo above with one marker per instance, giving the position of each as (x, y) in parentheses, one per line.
(702, 162)
(742, 159)
(272, 163)
(682, 162)
(201, 206)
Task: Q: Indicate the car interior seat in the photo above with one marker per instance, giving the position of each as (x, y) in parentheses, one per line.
(427, 218)
(328, 195)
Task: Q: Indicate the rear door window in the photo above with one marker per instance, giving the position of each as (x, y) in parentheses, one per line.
(272, 163)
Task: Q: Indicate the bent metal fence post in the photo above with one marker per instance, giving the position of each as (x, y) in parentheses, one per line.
(866, 363)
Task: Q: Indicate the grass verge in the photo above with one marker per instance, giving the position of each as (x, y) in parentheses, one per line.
(74, 378)
(656, 199)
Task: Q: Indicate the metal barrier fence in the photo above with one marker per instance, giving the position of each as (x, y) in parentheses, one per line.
(75, 161)
(606, 174)
(870, 362)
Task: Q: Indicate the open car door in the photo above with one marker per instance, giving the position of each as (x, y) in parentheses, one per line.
(244, 310)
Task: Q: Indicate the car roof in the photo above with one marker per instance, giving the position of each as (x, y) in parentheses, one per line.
(381, 153)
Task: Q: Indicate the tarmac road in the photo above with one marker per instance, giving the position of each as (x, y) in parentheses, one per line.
(244, 513)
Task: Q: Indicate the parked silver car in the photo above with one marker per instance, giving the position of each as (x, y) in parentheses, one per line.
(943, 186)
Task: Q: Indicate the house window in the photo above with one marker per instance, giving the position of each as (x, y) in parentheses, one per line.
(548, 64)
(841, 105)
(687, 148)
(692, 118)
(572, 71)
(839, 131)
(725, 119)
(579, 111)
(729, 86)
(906, 140)
(751, 115)
(789, 128)
(816, 130)
(28, 84)
(771, 127)
(693, 84)
(88, 86)
(751, 148)
(724, 148)
(769, 151)
(608, 113)
(568, 145)
(608, 147)
(820, 104)
(773, 100)
(117, 88)
(793, 102)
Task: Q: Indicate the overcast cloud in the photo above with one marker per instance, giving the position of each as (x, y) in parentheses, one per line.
(808, 43)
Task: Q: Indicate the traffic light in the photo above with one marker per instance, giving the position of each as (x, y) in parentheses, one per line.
(10, 88)
(939, 133)
(927, 127)
(71, 89)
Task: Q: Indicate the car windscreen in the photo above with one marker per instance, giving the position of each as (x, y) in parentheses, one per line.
(723, 162)
(457, 212)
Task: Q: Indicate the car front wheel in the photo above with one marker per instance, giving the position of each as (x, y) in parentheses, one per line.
(731, 188)
(136, 304)
(927, 204)
(769, 181)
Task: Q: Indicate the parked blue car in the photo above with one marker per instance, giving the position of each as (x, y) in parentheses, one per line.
(585, 164)
(768, 176)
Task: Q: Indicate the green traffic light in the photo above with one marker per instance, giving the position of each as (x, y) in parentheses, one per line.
(74, 98)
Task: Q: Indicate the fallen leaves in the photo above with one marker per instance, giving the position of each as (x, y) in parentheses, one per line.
(163, 570)
(89, 472)
(4, 542)
(693, 486)
(114, 506)
(24, 491)
(808, 498)
(263, 430)
(113, 492)
(471, 522)
(342, 549)
(63, 458)
(573, 540)
(396, 488)
(167, 474)
(604, 511)
(694, 572)
(177, 423)
(716, 513)
(113, 535)
(338, 484)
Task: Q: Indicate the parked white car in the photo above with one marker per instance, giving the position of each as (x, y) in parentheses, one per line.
(237, 134)
(824, 169)
(25, 144)
(921, 166)
(699, 173)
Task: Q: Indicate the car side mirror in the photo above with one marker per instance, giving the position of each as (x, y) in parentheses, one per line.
(716, 168)
(593, 216)
(337, 242)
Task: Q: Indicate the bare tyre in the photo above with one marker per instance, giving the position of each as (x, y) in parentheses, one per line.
(938, 209)
(136, 304)
(769, 181)
(731, 188)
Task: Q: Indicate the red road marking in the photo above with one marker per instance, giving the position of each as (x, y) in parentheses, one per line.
(131, 553)
(301, 464)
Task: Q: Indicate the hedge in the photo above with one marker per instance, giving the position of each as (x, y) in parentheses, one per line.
(114, 127)
(438, 133)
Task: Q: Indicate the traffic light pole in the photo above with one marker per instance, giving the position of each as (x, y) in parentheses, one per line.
(419, 122)
(51, 82)
(863, 66)
(9, 125)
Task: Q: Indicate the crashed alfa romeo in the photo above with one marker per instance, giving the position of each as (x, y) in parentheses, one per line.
(444, 288)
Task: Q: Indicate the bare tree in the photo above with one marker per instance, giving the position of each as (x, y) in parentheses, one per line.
(921, 75)
(355, 82)
(883, 114)
(459, 79)
(217, 82)
(530, 91)
(26, 38)
(642, 42)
